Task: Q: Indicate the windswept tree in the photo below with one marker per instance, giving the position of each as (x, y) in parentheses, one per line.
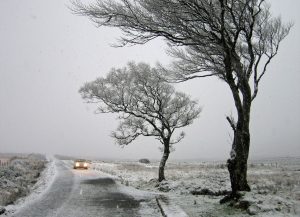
(234, 40)
(146, 105)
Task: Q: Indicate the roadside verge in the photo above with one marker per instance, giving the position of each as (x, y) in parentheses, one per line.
(168, 208)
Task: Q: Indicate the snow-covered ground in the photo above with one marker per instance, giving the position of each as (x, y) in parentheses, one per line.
(24, 180)
(197, 187)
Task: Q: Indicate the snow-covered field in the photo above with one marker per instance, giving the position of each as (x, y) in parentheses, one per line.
(197, 187)
(23, 179)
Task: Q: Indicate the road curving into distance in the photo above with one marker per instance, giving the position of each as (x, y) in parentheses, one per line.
(86, 193)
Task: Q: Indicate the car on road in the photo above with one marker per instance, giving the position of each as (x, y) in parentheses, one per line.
(81, 164)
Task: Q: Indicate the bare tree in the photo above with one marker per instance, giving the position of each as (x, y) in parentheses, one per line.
(146, 104)
(234, 40)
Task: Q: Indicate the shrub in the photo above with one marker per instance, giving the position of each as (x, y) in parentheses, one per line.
(144, 161)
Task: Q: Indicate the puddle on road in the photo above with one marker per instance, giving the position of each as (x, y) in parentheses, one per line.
(100, 181)
(115, 200)
(103, 192)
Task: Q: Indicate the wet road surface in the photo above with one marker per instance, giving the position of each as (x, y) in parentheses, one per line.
(85, 193)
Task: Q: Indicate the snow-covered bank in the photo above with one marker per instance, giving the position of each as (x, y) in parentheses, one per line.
(24, 180)
(198, 187)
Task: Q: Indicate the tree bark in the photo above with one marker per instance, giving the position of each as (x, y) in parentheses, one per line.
(237, 164)
(161, 170)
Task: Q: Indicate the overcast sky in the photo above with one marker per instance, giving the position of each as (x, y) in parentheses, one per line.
(47, 53)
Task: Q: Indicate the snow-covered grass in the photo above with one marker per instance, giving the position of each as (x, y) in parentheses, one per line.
(198, 186)
(25, 178)
(18, 176)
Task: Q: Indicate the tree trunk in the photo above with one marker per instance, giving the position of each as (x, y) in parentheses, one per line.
(237, 164)
(161, 170)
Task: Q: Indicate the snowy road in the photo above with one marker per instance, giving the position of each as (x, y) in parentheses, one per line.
(86, 193)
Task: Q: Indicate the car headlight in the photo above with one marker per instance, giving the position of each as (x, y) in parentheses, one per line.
(77, 164)
(85, 164)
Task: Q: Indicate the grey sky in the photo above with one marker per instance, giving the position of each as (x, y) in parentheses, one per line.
(47, 53)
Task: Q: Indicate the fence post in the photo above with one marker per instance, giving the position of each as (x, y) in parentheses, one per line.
(4, 163)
